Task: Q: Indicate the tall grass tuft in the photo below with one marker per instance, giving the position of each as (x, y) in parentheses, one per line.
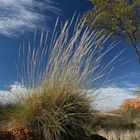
(57, 73)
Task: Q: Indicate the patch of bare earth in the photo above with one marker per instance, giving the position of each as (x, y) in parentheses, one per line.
(18, 134)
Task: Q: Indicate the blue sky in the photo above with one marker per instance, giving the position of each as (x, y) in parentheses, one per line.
(19, 18)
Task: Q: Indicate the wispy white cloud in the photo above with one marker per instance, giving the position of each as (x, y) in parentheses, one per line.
(110, 98)
(11, 96)
(17, 16)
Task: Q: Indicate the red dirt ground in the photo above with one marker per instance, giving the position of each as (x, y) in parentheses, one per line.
(18, 134)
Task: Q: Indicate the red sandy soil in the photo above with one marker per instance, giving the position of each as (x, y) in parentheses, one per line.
(18, 134)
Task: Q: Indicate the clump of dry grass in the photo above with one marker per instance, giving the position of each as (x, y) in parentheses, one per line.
(56, 75)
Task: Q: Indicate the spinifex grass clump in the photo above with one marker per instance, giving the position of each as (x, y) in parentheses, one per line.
(57, 74)
(58, 112)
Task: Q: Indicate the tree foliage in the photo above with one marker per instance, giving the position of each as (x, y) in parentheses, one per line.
(119, 17)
